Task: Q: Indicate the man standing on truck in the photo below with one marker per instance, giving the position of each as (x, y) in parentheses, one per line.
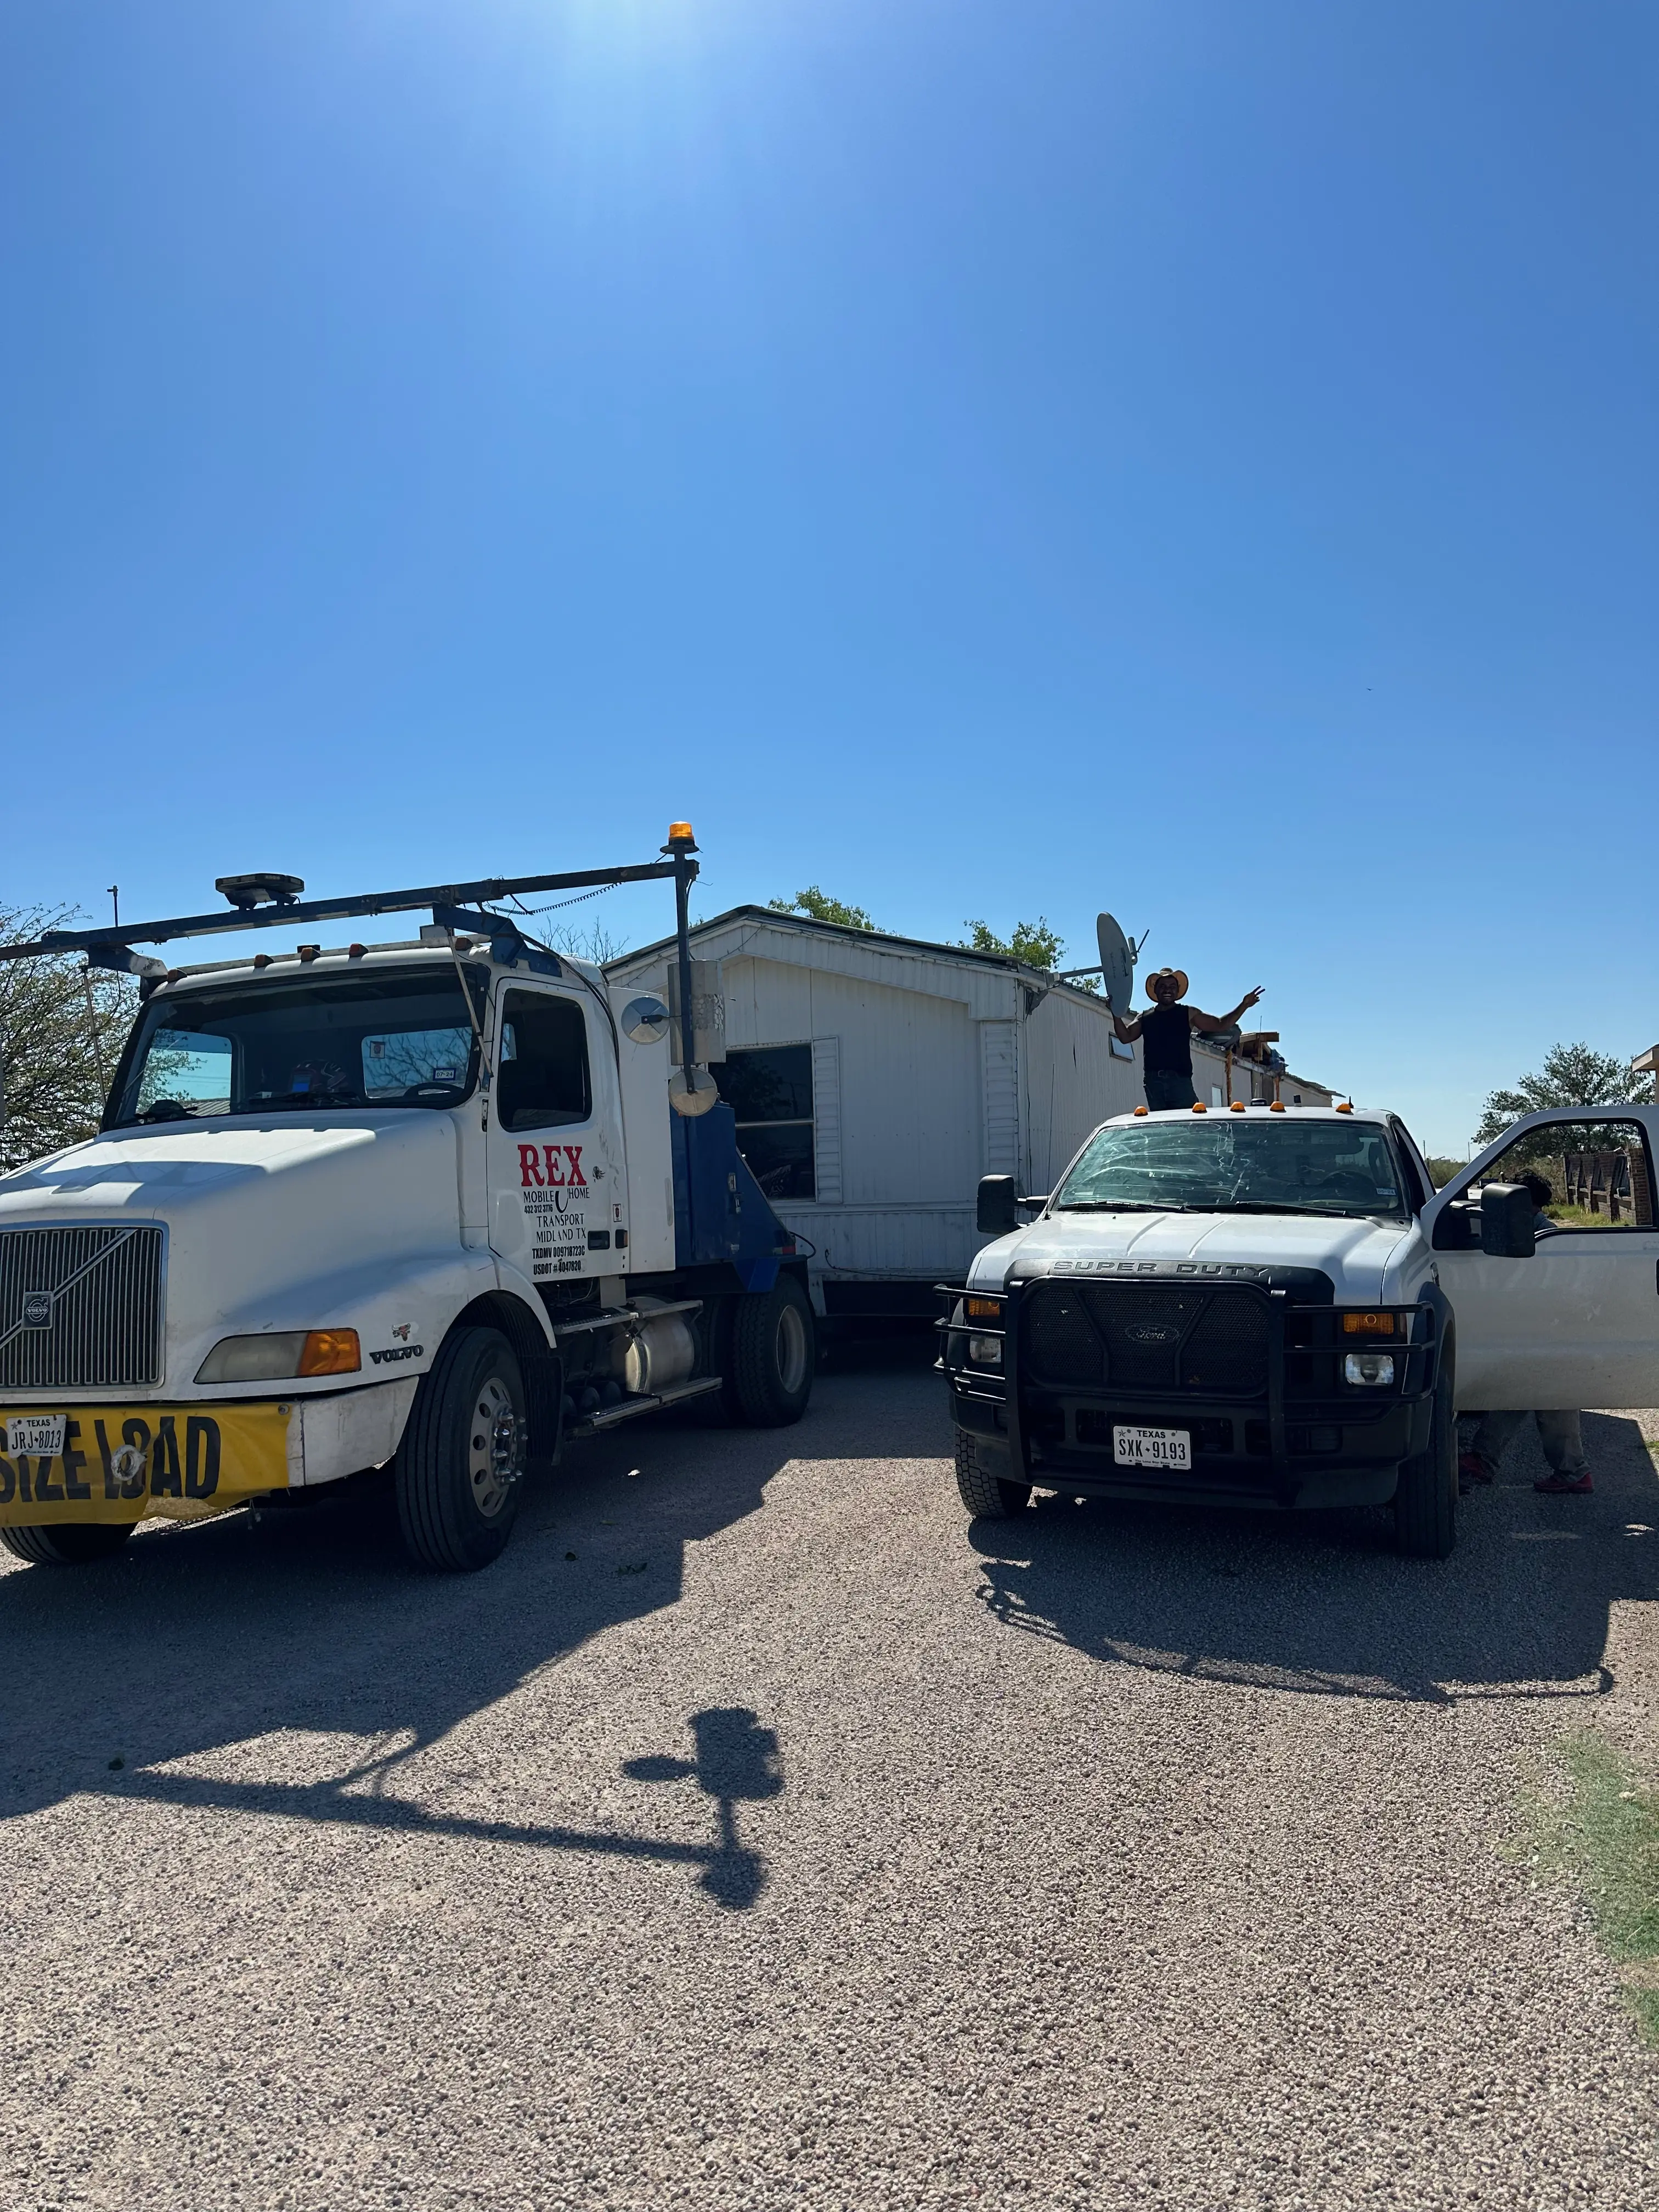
(1167, 1029)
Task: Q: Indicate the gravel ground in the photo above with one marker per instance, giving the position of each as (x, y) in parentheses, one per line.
(787, 1846)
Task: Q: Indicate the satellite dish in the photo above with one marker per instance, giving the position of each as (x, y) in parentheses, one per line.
(1117, 965)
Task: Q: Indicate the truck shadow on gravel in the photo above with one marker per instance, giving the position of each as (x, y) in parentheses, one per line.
(1324, 1605)
(198, 1642)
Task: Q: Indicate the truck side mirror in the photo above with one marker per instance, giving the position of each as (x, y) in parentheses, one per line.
(999, 1204)
(1507, 1227)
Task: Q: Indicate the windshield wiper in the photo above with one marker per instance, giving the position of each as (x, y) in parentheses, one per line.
(1283, 1206)
(296, 1098)
(1121, 1206)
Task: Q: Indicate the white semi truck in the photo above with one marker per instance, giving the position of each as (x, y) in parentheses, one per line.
(438, 1204)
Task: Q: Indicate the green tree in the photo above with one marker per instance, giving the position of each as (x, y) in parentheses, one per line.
(1033, 942)
(61, 1031)
(822, 908)
(1573, 1075)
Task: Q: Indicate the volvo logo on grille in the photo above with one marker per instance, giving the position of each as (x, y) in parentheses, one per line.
(37, 1308)
(1151, 1332)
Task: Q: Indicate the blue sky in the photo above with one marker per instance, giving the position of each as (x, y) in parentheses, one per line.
(985, 459)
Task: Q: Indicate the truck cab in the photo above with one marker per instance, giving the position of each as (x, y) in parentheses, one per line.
(1272, 1307)
(419, 1205)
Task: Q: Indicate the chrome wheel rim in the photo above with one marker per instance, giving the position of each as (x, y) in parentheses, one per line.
(494, 1448)
(791, 1349)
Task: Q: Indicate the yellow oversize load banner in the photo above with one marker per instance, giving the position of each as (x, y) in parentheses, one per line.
(126, 1462)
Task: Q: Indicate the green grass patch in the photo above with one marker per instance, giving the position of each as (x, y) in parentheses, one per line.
(1603, 1835)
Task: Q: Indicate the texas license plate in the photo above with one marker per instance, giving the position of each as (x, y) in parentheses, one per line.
(1152, 1447)
(40, 1435)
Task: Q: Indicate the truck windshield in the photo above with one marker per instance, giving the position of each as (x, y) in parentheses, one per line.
(371, 1039)
(1223, 1165)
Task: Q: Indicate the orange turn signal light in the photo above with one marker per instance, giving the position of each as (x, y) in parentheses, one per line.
(1367, 1324)
(985, 1309)
(330, 1352)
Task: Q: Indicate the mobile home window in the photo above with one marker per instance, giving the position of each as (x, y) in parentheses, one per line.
(769, 1089)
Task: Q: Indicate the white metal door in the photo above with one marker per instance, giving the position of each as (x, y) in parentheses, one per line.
(553, 1155)
(1576, 1325)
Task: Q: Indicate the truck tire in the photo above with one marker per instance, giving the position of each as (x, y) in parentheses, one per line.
(988, 1496)
(773, 1354)
(66, 1544)
(1426, 1498)
(460, 1466)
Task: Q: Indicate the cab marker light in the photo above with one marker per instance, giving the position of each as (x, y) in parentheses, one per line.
(1143, 1109)
(1238, 1106)
(1348, 1109)
(1277, 1107)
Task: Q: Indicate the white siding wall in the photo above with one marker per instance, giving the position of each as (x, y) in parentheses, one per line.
(1073, 1082)
(999, 1090)
(826, 1118)
(906, 1064)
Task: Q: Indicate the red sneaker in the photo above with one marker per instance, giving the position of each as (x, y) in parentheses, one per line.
(1471, 1467)
(1566, 1485)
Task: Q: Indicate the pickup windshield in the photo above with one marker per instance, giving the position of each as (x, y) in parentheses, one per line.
(1220, 1165)
(378, 1038)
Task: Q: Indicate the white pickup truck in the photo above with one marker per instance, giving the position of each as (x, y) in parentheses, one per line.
(1274, 1307)
(438, 1204)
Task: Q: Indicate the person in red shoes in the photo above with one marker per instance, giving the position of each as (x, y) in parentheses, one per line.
(1559, 1433)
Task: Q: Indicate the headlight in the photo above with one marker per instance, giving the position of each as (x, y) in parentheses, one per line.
(987, 1349)
(1374, 1369)
(280, 1359)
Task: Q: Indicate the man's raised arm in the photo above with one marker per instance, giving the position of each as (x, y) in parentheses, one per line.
(1214, 1025)
(1127, 1031)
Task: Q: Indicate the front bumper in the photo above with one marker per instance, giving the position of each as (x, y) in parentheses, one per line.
(1303, 1442)
(124, 1463)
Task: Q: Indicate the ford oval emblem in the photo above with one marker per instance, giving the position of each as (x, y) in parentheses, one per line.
(1151, 1332)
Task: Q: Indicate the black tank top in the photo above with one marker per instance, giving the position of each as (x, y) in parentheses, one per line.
(1167, 1041)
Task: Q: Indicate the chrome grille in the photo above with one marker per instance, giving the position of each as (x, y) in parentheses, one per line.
(100, 1291)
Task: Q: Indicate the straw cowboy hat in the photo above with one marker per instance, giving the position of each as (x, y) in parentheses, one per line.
(1177, 976)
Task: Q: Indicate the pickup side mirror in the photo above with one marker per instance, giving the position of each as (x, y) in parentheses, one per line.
(1507, 1227)
(999, 1204)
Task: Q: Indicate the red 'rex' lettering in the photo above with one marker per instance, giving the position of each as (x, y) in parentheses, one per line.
(573, 1154)
(555, 1167)
(530, 1167)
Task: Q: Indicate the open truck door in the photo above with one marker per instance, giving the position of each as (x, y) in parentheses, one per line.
(1565, 1314)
